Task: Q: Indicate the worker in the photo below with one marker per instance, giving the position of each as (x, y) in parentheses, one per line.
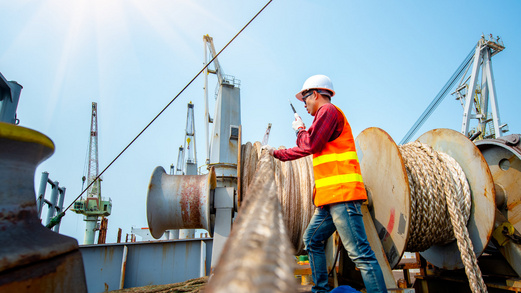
(339, 190)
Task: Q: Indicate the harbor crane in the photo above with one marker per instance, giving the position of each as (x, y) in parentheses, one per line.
(187, 158)
(93, 206)
(473, 93)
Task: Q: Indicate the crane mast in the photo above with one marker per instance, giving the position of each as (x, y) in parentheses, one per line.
(93, 206)
(222, 80)
(187, 156)
(94, 189)
(191, 155)
(476, 95)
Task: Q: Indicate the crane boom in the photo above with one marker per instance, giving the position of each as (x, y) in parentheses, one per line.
(94, 190)
(470, 93)
(208, 41)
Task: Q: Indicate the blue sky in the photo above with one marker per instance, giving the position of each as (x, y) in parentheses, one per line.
(387, 61)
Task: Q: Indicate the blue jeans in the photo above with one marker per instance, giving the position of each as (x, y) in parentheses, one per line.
(346, 218)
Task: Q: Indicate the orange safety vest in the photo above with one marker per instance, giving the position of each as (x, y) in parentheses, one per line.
(337, 172)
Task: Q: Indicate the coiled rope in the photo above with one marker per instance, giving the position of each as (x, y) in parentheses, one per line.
(440, 200)
(440, 196)
(294, 181)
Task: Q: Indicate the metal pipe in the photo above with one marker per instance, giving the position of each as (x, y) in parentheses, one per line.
(90, 229)
(202, 264)
(41, 193)
(475, 135)
(206, 114)
(54, 199)
(59, 208)
(123, 267)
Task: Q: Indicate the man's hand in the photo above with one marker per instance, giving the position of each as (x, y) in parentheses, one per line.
(270, 149)
(298, 124)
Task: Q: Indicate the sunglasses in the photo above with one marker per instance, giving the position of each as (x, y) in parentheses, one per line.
(304, 97)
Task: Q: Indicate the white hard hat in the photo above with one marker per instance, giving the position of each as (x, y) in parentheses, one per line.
(318, 82)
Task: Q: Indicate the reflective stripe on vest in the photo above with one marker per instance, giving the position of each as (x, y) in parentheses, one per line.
(338, 179)
(334, 157)
(337, 171)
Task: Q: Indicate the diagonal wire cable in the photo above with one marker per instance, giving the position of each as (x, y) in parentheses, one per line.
(168, 105)
(439, 97)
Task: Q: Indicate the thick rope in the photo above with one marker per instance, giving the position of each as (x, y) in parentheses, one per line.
(294, 181)
(440, 200)
(258, 256)
(440, 205)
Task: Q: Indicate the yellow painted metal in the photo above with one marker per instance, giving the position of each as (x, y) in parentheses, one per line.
(32, 257)
(482, 214)
(498, 234)
(385, 179)
(22, 134)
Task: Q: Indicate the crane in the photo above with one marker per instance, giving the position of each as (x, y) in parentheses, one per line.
(471, 93)
(222, 79)
(93, 206)
(475, 95)
(187, 164)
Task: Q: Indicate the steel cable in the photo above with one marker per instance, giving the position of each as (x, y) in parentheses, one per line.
(258, 254)
(168, 105)
(294, 181)
(439, 97)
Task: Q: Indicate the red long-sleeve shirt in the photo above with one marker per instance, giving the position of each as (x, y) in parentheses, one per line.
(326, 126)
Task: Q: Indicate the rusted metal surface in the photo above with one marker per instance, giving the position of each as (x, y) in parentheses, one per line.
(481, 220)
(503, 156)
(179, 201)
(63, 273)
(189, 286)
(430, 284)
(377, 247)
(103, 230)
(504, 241)
(258, 254)
(32, 257)
(385, 179)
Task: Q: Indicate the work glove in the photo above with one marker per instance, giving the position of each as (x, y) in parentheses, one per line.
(298, 124)
(270, 149)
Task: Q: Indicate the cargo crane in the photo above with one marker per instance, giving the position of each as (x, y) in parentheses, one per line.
(219, 186)
(491, 169)
(187, 162)
(186, 165)
(473, 94)
(187, 159)
(93, 206)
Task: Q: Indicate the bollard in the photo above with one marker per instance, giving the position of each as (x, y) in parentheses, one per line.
(32, 257)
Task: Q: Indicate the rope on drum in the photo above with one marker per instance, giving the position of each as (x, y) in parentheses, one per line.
(440, 205)
(258, 256)
(294, 181)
